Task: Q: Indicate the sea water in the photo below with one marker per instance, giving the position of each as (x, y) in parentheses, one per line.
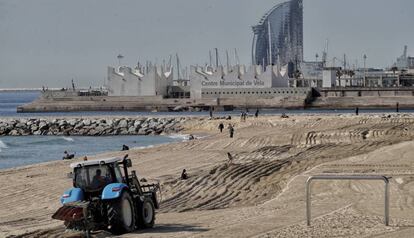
(25, 150)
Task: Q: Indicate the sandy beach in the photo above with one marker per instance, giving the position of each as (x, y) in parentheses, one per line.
(262, 193)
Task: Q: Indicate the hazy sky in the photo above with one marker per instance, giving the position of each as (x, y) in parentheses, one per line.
(49, 42)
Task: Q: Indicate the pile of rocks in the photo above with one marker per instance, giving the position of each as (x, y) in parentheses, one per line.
(91, 127)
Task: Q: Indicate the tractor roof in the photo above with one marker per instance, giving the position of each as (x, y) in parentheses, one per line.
(96, 162)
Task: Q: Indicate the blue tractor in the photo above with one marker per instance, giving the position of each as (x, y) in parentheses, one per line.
(105, 197)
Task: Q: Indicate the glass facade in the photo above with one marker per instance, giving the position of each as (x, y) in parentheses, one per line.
(280, 35)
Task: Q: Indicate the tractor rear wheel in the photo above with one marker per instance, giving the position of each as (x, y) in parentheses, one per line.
(146, 214)
(121, 214)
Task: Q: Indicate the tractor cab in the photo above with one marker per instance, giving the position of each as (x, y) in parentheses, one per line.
(106, 196)
(93, 176)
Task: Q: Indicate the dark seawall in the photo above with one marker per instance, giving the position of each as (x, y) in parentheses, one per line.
(90, 127)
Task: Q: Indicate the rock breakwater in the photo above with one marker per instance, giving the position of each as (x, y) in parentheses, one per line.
(91, 127)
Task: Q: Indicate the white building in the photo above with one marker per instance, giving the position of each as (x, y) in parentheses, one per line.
(236, 80)
(151, 81)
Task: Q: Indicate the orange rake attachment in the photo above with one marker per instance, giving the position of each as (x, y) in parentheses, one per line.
(69, 213)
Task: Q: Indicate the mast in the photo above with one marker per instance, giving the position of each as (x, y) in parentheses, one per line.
(169, 61)
(228, 60)
(211, 58)
(236, 56)
(344, 62)
(178, 67)
(405, 52)
(217, 61)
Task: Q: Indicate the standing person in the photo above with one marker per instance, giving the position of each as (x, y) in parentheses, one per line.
(211, 112)
(256, 114)
(231, 130)
(241, 116)
(221, 127)
(230, 157)
(357, 111)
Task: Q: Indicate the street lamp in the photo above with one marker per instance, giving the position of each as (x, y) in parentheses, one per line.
(365, 70)
(119, 59)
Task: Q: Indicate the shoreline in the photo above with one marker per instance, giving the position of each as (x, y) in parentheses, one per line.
(97, 155)
(139, 139)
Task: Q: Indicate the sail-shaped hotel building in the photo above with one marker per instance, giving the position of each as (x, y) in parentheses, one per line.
(278, 38)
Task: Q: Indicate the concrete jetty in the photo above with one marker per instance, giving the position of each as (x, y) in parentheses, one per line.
(68, 103)
(337, 98)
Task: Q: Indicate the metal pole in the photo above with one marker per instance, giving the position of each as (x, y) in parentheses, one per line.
(178, 66)
(217, 61)
(387, 203)
(236, 57)
(308, 202)
(211, 61)
(228, 61)
(365, 70)
(346, 177)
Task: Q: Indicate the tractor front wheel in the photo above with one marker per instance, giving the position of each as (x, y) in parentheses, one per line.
(121, 214)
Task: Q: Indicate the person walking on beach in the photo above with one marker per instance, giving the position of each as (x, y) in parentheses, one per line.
(231, 130)
(221, 127)
(256, 114)
(230, 157)
(357, 111)
(243, 116)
